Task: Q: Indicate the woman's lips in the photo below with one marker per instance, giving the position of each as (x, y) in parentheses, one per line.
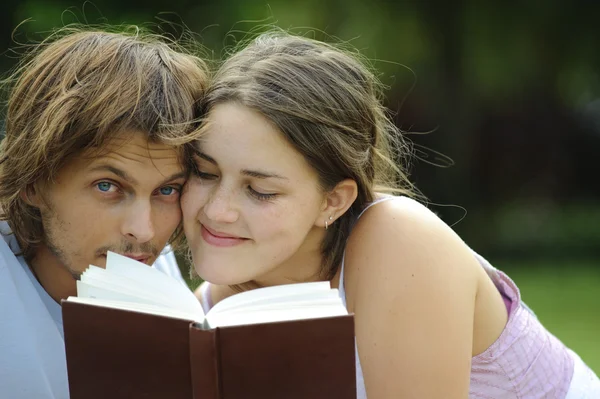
(219, 239)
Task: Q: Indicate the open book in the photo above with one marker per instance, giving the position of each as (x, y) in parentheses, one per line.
(132, 331)
(130, 285)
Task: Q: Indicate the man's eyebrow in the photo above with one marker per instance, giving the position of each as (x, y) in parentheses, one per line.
(125, 176)
(119, 172)
(175, 176)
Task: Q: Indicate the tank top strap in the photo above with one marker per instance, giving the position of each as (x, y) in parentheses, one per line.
(206, 297)
(382, 198)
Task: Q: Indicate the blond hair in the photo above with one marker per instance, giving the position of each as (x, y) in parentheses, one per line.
(327, 104)
(76, 91)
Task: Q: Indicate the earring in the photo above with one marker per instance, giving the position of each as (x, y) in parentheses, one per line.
(327, 223)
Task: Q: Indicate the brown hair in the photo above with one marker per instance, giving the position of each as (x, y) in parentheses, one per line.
(327, 104)
(77, 90)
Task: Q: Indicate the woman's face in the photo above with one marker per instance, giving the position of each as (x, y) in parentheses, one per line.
(253, 210)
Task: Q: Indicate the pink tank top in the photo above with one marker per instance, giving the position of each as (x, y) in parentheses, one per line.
(525, 362)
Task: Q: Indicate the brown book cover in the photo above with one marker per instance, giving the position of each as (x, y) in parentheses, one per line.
(116, 354)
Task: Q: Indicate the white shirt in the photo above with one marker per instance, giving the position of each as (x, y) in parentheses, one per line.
(32, 353)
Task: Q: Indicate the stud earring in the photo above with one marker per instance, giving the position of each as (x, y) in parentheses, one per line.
(327, 222)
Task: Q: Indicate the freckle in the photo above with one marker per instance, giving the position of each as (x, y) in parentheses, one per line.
(412, 275)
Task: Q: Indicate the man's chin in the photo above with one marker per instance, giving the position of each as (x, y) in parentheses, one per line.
(76, 275)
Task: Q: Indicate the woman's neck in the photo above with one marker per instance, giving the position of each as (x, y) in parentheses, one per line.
(304, 266)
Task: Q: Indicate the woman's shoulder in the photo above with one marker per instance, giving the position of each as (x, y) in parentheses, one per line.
(393, 217)
(400, 238)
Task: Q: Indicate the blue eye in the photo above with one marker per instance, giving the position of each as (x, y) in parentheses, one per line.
(104, 186)
(167, 190)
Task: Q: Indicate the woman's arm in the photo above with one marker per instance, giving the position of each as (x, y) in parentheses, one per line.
(411, 283)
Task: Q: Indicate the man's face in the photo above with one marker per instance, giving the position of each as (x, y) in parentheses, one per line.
(125, 200)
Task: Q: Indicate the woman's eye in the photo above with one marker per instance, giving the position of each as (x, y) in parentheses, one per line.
(105, 186)
(260, 196)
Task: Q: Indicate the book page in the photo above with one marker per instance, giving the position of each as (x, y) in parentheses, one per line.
(271, 294)
(97, 277)
(282, 303)
(127, 281)
(279, 303)
(274, 315)
(138, 307)
(86, 290)
(130, 285)
(153, 281)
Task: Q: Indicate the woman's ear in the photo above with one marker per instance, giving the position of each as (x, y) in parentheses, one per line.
(337, 202)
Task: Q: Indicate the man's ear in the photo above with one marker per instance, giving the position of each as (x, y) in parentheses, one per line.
(31, 196)
(337, 202)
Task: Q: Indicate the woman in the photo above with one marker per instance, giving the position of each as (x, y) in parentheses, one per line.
(290, 184)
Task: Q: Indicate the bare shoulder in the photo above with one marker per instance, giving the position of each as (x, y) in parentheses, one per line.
(411, 283)
(399, 213)
(404, 226)
(401, 238)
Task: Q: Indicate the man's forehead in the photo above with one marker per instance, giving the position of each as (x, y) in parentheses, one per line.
(134, 146)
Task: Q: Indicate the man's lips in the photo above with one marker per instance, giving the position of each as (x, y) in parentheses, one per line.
(143, 258)
(139, 258)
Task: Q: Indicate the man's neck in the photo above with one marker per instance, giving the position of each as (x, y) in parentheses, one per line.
(52, 275)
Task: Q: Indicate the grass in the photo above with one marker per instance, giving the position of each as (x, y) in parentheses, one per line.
(565, 298)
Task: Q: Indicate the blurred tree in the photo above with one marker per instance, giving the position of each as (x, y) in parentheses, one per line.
(510, 88)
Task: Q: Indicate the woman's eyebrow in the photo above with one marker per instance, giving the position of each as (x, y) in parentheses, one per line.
(206, 157)
(261, 174)
(246, 172)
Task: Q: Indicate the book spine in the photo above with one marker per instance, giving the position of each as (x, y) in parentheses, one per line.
(204, 363)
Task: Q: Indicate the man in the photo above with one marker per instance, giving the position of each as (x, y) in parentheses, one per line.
(97, 126)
